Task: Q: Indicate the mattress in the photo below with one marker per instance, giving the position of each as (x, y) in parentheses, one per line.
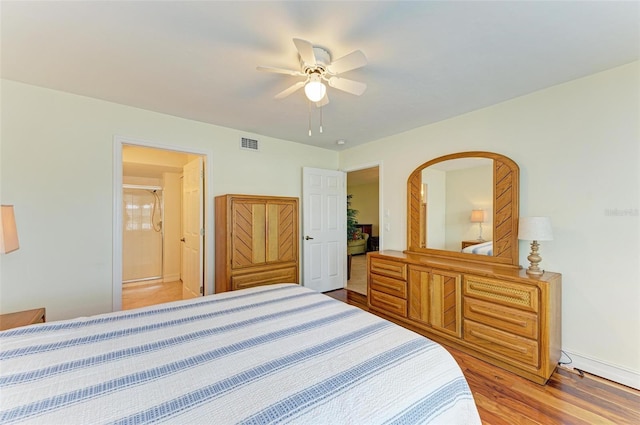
(483, 248)
(271, 354)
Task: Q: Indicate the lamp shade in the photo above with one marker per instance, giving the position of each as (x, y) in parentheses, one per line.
(477, 216)
(8, 230)
(535, 229)
(315, 89)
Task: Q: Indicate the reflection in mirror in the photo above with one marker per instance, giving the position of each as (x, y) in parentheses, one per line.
(457, 205)
(443, 193)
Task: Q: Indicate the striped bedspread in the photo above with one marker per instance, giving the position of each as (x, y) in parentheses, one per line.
(271, 354)
(483, 248)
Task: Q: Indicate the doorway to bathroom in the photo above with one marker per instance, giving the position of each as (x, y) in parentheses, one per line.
(162, 225)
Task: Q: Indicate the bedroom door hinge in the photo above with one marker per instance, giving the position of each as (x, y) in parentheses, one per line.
(202, 231)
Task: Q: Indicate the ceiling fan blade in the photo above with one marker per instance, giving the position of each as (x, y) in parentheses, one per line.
(324, 101)
(305, 49)
(290, 90)
(353, 60)
(350, 86)
(280, 71)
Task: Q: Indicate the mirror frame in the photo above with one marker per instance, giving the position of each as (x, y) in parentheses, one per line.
(506, 195)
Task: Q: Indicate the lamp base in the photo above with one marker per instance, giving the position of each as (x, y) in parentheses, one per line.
(480, 232)
(532, 272)
(534, 259)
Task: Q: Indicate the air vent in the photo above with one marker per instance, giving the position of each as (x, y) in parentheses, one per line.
(248, 144)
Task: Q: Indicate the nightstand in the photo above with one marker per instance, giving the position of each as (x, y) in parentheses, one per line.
(469, 243)
(22, 318)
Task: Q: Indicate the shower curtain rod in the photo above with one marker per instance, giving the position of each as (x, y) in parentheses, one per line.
(139, 186)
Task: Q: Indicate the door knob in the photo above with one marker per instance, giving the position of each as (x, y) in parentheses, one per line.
(182, 239)
(307, 238)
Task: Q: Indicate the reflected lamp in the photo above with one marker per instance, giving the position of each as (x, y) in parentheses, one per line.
(477, 216)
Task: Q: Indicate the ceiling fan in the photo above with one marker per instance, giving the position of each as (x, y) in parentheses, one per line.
(317, 67)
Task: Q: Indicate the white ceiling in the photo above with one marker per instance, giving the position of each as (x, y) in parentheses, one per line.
(428, 60)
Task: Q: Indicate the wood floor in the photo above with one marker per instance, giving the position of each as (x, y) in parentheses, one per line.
(358, 278)
(145, 295)
(568, 398)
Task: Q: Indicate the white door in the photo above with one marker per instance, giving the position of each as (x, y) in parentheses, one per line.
(324, 240)
(192, 229)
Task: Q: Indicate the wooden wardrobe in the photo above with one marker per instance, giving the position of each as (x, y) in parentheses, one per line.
(256, 240)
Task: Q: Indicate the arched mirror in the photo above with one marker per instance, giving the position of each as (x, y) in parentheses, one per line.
(465, 205)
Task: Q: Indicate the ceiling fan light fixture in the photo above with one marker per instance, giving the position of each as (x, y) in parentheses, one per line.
(315, 89)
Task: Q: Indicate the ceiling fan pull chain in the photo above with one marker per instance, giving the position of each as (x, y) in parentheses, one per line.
(309, 103)
(321, 119)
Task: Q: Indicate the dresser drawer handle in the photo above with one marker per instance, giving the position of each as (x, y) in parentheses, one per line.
(387, 272)
(390, 304)
(390, 268)
(386, 285)
(499, 342)
(516, 322)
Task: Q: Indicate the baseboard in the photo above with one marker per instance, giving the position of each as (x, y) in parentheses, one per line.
(171, 277)
(141, 283)
(618, 374)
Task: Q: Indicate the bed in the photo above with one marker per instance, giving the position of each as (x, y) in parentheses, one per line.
(483, 248)
(271, 354)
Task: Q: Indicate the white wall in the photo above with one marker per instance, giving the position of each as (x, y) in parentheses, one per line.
(56, 145)
(577, 145)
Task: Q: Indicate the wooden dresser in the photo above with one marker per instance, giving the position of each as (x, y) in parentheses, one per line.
(498, 314)
(256, 240)
(465, 244)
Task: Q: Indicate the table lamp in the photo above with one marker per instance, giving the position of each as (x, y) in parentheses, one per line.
(8, 230)
(535, 229)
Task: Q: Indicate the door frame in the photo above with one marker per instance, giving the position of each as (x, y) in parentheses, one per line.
(381, 216)
(118, 143)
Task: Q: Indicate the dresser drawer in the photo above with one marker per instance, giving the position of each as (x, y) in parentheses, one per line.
(264, 277)
(508, 319)
(388, 268)
(511, 294)
(388, 303)
(502, 344)
(389, 286)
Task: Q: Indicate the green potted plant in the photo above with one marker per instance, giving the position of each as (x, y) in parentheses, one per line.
(356, 240)
(351, 219)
